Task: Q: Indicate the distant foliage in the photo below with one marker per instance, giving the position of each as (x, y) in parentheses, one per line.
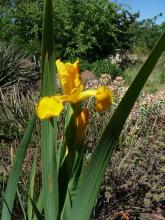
(21, 22)
(87, 29)
(91, 29)
(146, 34)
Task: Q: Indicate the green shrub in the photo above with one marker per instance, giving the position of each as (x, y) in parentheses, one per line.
(85, 65)
(105, 66)
(102, 66)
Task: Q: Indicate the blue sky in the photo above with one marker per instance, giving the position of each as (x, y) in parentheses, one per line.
(147, 8)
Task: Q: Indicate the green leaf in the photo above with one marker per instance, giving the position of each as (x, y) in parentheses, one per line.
(66, 161)
(70, 165)
(73, 186)
(91, 181)
(63, 144)
(16, 171)
(39, 205)
(49, 169)
(21, 204)
(31, 187)
(66, 212)
(48, 48)
(36, 210)
(48, 127)
(48, 156)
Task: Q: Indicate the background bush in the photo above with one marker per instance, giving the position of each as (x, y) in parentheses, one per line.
(87, 29)
(102, 66)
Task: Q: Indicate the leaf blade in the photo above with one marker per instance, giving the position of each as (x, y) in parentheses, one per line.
(48, 127)
(31, 187)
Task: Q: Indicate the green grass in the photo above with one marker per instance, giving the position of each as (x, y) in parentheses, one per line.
(156, 81)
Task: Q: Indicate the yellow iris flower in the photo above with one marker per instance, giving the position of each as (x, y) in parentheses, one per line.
(69, 75)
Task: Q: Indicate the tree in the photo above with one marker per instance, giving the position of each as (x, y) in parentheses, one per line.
(87, 29)
(93, 29)
(21, 23)
(146, 33)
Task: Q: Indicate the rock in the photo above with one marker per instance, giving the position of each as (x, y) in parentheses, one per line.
(87, 75)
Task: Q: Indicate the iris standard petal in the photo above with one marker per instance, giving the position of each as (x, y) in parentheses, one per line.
(63, 76)
(69, 75)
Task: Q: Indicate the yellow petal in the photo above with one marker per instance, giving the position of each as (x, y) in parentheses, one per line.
(62, 98)
(86, 94)
(75, 95)
(69, 75)
(48, 107)
(63, 76)
(103, 99)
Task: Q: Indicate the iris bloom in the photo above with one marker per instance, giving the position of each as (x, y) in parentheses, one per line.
(69, 75)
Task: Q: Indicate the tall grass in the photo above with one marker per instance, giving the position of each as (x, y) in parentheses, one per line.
(156, 81)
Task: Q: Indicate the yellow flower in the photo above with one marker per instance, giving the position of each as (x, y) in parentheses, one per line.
(103, 99)
(72, 86)
(69, 75)
(48, 107)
